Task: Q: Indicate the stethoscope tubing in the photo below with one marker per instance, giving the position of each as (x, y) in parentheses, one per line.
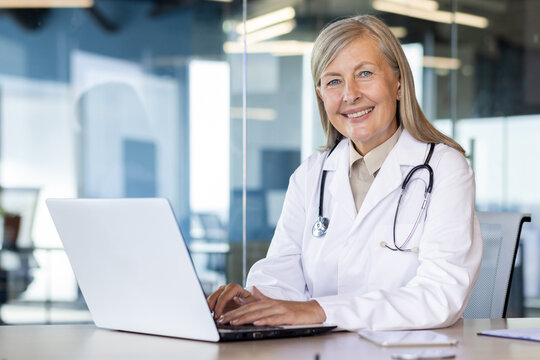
(321, 225)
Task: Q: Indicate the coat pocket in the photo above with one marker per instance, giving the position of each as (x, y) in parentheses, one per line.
(392, 269)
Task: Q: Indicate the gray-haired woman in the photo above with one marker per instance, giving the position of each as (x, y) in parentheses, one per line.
(367, 257)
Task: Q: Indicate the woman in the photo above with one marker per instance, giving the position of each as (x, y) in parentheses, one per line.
(374, 267)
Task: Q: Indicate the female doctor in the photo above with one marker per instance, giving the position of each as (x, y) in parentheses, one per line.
(351, 247)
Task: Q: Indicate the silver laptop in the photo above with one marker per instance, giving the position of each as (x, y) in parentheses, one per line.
(135, 272)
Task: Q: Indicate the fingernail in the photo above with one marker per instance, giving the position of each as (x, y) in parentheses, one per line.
(257, 323)
(220, 320)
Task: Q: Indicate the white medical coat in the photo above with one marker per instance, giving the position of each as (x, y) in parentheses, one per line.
(358, 283)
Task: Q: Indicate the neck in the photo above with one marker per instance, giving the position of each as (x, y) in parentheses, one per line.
(364, 147)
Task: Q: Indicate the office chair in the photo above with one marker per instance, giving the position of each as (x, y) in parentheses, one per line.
(16, 244)
(501, 232)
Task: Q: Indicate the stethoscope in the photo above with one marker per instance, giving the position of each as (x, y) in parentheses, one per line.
(321, 225)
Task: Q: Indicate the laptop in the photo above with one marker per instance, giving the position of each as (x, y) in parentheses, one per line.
(136, 274)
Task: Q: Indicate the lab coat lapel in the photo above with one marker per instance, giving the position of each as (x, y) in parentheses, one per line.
(406, 153)
(387, 180)
(340, 188)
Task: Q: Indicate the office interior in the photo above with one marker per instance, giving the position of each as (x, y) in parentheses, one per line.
(160, 98)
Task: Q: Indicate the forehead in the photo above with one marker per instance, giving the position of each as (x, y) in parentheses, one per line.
(363, 49)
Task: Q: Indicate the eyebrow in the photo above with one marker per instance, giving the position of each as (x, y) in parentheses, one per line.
(363, 63)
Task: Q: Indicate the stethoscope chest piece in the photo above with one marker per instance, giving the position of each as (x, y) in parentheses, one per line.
(320, 227)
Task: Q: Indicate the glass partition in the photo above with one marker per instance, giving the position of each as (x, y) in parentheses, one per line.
(117, 99)
(474, 64)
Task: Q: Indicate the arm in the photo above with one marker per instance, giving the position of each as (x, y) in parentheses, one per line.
(280, 275)
(449, 260)
(268, 311)
(280, 289)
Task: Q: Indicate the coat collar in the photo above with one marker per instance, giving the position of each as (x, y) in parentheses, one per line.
(407, 152)
(336, 158)
(340, 188)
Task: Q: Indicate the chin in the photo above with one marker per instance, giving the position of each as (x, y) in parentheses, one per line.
(361, 138)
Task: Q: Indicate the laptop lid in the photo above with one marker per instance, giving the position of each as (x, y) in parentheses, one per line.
(133, 267)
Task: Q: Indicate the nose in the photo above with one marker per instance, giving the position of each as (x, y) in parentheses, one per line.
(351, 92)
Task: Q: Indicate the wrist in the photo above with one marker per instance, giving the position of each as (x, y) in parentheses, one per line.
(318, 311)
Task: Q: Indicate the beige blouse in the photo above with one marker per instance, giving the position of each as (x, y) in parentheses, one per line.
(363, 169)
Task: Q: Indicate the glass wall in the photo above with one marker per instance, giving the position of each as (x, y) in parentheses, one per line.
(146, 98)
(476, 66)
(120, 99)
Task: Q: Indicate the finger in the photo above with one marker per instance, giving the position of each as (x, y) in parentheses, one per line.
(249, 313)
(252, 306)
(276, 312)
(240, 311)
(262, 316)
(225, 299)
(239, 301)
(212, 298)
(272, 320)
(244, 300)
(222, 301)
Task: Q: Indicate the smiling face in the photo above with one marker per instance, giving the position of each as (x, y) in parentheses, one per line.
(360, 93)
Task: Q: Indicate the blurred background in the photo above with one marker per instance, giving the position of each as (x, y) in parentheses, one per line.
(143, 98)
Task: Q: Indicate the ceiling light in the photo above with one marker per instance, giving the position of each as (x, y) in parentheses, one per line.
(261, 114)
(20, 4)
(266, 20)
(441, 62)
(277, 48)
(269, 32)
(429, 5)
(399, 31)
(471, 20)
(445, 17)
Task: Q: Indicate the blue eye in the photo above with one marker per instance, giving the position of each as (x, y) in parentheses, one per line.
(365, 73)
(333, 82)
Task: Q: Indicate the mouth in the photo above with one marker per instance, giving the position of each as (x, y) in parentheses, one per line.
(358, 114)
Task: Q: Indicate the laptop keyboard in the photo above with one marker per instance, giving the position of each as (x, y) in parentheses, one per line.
(248, 327)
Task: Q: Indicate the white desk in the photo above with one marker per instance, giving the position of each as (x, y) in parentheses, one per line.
(76, 342)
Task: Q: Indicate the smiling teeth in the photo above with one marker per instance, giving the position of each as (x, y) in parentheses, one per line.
(360, 113)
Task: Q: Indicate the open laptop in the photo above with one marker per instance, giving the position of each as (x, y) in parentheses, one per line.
(135, 272)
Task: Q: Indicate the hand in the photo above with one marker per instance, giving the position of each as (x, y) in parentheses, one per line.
(228, 297)
(268, 311)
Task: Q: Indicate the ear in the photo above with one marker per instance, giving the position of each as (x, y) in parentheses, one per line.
(318, 91)
(398, 96)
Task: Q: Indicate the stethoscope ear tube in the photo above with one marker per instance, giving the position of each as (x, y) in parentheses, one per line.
(426, 166)
(411, 173)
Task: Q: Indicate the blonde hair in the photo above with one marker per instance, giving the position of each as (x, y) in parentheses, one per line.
(334, 37)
